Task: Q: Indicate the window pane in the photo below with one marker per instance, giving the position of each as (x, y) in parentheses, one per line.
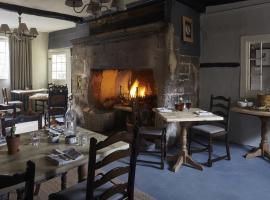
(53, 75)
(54, 67)
(53, 58)
(255, 75)
(4, 58)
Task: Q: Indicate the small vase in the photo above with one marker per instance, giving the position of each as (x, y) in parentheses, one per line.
(13, 143)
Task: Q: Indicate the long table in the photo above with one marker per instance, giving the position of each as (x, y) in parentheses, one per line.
(185, 118)
(45, 170)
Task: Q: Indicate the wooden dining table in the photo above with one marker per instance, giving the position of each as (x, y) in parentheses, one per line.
(264, 116)
(28, 93)
(185, 119)
(45, 169)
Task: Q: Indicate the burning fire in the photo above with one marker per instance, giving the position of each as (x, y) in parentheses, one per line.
(136, 90)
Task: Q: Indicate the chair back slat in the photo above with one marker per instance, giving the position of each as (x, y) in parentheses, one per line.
(111, 175)
(20, 119)
(116, 189)
(220, 105)
(28, 177)
(127, 188)
(220, 113)
(118, 137)
(117, 155)
(5, 95)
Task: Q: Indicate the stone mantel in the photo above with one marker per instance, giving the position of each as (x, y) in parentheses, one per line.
(123, 34)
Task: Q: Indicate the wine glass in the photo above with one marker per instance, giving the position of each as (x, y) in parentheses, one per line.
(188, 104)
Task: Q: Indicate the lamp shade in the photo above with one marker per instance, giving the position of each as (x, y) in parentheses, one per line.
(5, 28)
(33, 32)
(23, 28)
(74, 3)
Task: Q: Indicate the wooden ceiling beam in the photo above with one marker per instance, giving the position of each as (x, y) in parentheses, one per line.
(41, 13)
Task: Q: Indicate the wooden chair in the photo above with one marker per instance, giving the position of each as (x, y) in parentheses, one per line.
(28, 177)
(18, 104)
(219, 105)
(6, 123)
(57, 102)
(41, 99)
(143, 116)
(101, 187)
(9, 110)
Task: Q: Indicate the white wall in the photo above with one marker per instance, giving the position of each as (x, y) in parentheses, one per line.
(40, 61)
(221, 30)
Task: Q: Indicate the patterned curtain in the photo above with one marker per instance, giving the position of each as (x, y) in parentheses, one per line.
(20, 63)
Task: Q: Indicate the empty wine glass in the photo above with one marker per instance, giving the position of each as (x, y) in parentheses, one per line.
(35, 138)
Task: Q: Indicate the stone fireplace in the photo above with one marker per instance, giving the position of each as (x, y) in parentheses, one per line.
(106, 64)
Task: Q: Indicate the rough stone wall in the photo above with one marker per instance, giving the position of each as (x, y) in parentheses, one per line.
(175, 74)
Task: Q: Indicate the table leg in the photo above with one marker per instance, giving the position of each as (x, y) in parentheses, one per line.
(30, 111)
(263, 150)
(82, 173)
(182, 156)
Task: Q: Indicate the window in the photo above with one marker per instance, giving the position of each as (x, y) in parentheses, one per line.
(255, 65)
(4, 58)
(59, 66)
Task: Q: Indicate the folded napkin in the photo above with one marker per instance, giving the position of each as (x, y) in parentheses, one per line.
(59, 157)
(203, 113)
(164, 109)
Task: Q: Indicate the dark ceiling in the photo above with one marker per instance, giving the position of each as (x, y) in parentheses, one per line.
(200, 5)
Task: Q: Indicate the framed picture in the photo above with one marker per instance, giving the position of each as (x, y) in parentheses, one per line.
(187, 27)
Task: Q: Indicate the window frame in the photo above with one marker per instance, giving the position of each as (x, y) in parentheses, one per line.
(245, 91)
(6, 76)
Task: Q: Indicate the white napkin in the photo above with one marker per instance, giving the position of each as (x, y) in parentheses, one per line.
(164, 110)
(203, 113)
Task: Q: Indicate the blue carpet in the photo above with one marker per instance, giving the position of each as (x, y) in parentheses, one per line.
(238, 179)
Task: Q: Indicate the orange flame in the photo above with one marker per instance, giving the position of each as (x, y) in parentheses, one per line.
(133, 90)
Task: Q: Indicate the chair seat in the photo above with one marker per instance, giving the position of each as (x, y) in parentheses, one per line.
(150, 131)
(78, 192)
(39, 97)
(15, 102)
(208, 128)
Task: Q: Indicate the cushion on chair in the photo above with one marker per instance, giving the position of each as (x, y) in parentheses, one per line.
(150, 131)
(78, 192)
(15, 102)
(208, 128)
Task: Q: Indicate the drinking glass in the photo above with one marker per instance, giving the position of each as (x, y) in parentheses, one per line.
(82, 140)
(188, 104)
(35, 139)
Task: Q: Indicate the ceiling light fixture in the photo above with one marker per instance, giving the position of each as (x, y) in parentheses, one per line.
(94, 7)
(21, 31)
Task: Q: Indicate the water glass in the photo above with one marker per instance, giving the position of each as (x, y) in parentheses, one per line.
(82, 139)
(35, 139)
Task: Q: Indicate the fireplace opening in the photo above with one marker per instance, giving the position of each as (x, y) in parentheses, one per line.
(114, 86)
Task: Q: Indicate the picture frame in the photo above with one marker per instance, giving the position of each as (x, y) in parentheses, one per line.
(187, 29)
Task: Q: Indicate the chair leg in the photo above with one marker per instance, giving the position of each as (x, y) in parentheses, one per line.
(227, 147)
(210, 149)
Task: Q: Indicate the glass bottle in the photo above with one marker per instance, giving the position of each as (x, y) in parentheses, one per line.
(70, 120)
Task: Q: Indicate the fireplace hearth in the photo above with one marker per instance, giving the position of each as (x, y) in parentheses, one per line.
(113, 86)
